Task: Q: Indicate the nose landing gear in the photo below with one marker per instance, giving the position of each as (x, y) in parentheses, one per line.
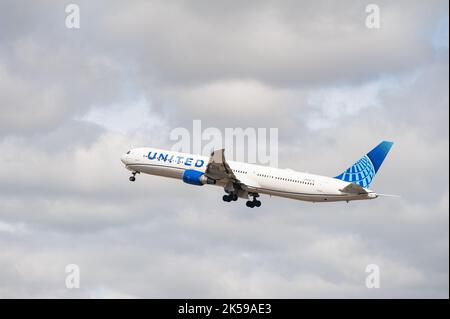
(133, 176)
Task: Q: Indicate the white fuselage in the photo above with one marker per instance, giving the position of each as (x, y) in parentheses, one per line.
(259, 179)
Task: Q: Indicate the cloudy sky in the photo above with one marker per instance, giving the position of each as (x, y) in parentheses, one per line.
(73, 100)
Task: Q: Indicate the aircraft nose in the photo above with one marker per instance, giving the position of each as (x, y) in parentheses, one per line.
(123, 158)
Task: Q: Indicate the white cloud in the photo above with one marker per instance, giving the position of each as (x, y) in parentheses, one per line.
(126, 118)
(72, 103)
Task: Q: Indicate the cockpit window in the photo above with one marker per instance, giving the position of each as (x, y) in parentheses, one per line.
(128, 152)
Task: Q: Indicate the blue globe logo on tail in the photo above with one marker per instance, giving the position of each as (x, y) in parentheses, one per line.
(364, 170)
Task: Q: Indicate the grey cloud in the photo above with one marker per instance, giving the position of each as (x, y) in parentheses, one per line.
(296, 42)
(72, 101)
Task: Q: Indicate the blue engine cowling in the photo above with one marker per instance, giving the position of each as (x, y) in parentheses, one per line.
(194, 177)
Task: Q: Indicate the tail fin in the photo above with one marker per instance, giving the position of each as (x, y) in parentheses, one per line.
(364, 170)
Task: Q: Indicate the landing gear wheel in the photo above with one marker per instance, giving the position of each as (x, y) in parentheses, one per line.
(250, 204)
(254, 202)
(230, 197)
(133, 176)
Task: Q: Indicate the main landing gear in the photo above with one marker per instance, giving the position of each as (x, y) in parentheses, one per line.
(230, 197)
(133, 176)
(253, 203)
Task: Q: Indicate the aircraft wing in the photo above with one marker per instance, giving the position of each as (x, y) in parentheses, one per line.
(354, 188)
(219, 169)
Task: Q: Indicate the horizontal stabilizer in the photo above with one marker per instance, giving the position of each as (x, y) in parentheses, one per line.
(353, 188)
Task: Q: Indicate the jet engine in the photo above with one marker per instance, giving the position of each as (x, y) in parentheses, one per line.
(194, 177)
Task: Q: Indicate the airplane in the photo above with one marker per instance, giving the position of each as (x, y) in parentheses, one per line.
(242, 180)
